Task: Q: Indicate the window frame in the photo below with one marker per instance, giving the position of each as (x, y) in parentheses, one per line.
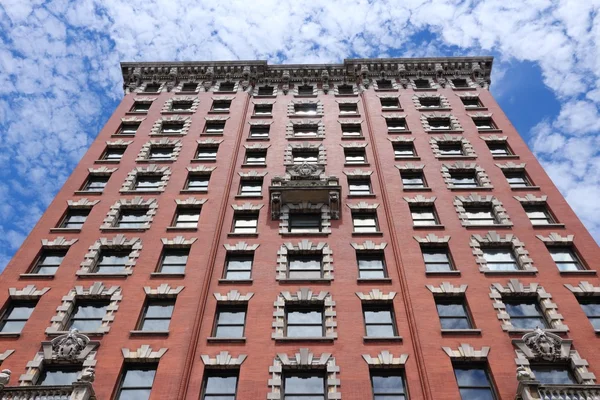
(406, 175)
(206, 150)
(591, 316)
(250, 183)
(259, 132)
(392, 100)
(298, 373)
(454, 300)
(294, 256)
(140, 215)
(298, 216)
(153, 179)
(171, 127)
(539, 208)
(155, 302)
(299, 308)
(72, 368)
(513, 300)
(135, 367)
(521, 175)
(430, 250)
(364, 181)
(396, 125)
(194, 177)
(235, 308)
(214, 127)
(243, 230)
(306, 109)
(258, 154)
(241, 258)
(400, 148)
(348, 108)
(454, 175)
(85, 302)
(472, 210)
(305, 156)
(265, 106)
(112, 150)
(127, 131)
(177, 252)
(577, 261)
(180, 223)
(378, 307)
(387, 372)
(477, 366)
(37, 265)
(112, 253)
(91, 180)
(211, 373)
(9, 309)
(364, 228)
(424, 209)
(220, 106)
(369, 257)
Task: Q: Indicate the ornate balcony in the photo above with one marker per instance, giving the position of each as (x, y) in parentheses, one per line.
(534, 390)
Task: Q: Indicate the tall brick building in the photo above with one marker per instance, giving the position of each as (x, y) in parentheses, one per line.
(375, 229)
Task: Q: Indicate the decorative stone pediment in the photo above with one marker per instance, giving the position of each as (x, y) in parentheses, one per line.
(369, 245)
(556, 239)
(223, 360)
(376, 295)
(178, 242)
(531, 199)
(58, 243)
(71, 346)
(209, 142)
(385, 359)
(466, 352)
(411, 167)
(233, 297)
(29, 292)
(163, 291)
(511, 166)
(143, 354)
(447, 289)
(432, 238)
(82, 203)
(241, 247)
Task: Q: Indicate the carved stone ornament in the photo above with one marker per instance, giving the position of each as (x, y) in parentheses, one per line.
(68, 346)
(4, 378)
(544, 345)
(88, 375)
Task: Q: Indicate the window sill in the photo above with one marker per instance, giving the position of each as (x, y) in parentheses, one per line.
(235, 281)
(456, 157)
(10, 334)
(519, 272)
(86, 333)
(305, 233)
(145, 161)
(411, 158)
(305, 139)
(196, 161)
(261, 116)
(187, 92)
(434, 109)
(549, 226)
(445, 131)
(373, 280)
(249, 196)
(117, 229)
(148, 333)
(65, 230)
(353, 137)
(423, 189)
(392, 109)
(422, 227)
(251, 139)
(364, 196)
(470, 189)
(171, 112)
(305, 115)
(524, 188)
(305, 339)
(184, 191)
(212, 339)
(136, 113)
(446, 332)
(107, 161)
(122, 275)
(306, 280)
(349, 115)
(454, 272)
(87, 193)
(518, 331)
(488, 226)
(235, 234)
(119, 135)
(376, 233)
(473, 108)
(579, 272)
(404, 132)
(493, 130)
(382, 339)
(167, 274)
(181, 229)
(37, 276)
(140, 192)
(507, 157)
(218, 112)
(254, 165)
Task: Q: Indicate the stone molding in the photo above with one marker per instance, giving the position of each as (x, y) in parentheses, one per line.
(385, 359)
(377, 82)
(163, 291)
(459, 166)
(288, 155)
(210, 142)
(144, 99)
(101, 171)
(217, 87)
(168, 106)
(530, 199)
(178, 88)
(466, 352)
(292, 123)
(143, 354)
(472, 84)
(233, 297)
(241, 247)
(494, 240)
(119, 144)
(29, 292)
(494, 138)
(178, 242)
(158, 124)
(201, 170)
(176, 145)
(296, 90)
(363, 206)
(413, 85)
(376, 295)
(253, 175)
(129, 120)
(152, 169)
(291, 110)
(304, 247)
(304, 296)
(556, 239)
(448, 289)
(480, 115)
(5, 355)
(432, 238)
(358, 173)
(112, 218)
(223, 360)
(416, 99)
(420, 200)
(468, 94)
(350, 121)
(354, 145)
(265, 123)
(477, 200)
(454, 122)
(222, 98)
(59, 243)
(369, 245)
(584, 289)
(190, 202)
(263, 102)
(82, 203)
(511, 166)
(401, 139)
(247, 207)
(142, 88)
(305, 208)
(411, 167)
(466, 146)
(394, 116)
(118, 242)
(256, 146)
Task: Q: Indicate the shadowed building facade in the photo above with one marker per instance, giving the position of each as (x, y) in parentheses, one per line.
(375, 229)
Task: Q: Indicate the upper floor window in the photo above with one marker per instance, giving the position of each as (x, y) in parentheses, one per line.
(162, 153)
(152, 87)
(136, 382)
(538, 214)
(128, 128)
(304, 321)
(471, 102)
(250, 187)
(460, 83)
(345, 89)
(424, 216)
(263, 109)
(245, 223)
(525, 313)
(58, 375)
(484, 123)
(266, 91)
(517, 179)
(157, 315)
(351, 130)
(480, 215)
(259, 132)
(131, 218)
(182, 105)
(230, 322)
(565, 258)
(87, 315)
(451, 149)
(226, 86)
(221, 105)
(553, 374)
(305, 266)
(256, 157)
(95, 183)
(499, 149)
(388, 384)
(474, 382)
(422, 83)
(348, 108)
(147, 183)
(437, 259)
(305, 156)
(464, 179)
(298, 385)
(379, 321)
(359, 187)
(305, 109)
(305, 90)
(214, 127)
(16, 315)
(112, 261)
(113, 154)
(453, 313)
(220, 384)
(413, 180)
(306, 131)
(238, 266)
(365, 222)
(173, 261)
(171, 128)
(500, 259)
(187, 217)
(304, 222)
(404, 150)
(207, 153)
(440, 124)
(396, 125)
(355, 156)
(389, 103)
(197, 182)
(384, 84)
(48, 262)
(371, 266)
(430, 102)
(591, 308)
(189, 87)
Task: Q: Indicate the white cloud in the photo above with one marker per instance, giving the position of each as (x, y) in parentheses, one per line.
(60, 68)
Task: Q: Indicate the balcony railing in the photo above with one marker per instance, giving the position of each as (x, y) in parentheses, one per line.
(76, 391)
(534, 390)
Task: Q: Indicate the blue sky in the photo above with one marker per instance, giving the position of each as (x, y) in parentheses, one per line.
(60, 77)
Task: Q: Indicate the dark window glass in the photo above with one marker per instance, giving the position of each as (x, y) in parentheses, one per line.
(170, 128)
(460, 83)
(396, 125)
(305, 156)
(147, 183)
(16, 315)
(565, 258)
(245, 223)
(129, 128)
(500, 259)
(355, 156)
(424, 216)
(441, 124)
(58, 375)
(136, 382)
(466, 179)
(517, 179)
(422, 83)
(207, 153)
(481, 215)
(140, 107)
(305, 90)
(221, 105)
(189, 87)
(95, 183)
(304, 321)
(413, 180)
(348, 108)
(359, 187)
(384, 84)
(220, 385)
(379, 321)
(437, 259)
(451, 149)
(471, 102)
(239, 266)
(152, 87)
(197, 182)
(388, 385)
(484, 123)
(389, 103)
(304, 222)
(161, 153)
(174, 261)
(525, 313)
(371, 266)
(404, 150)
(230, 322)
(226, 86)
(474, 383)
(304, 386)
(554, 374)
(430, 102)
(308, 266)
(157, 315)
(301, 131)
(453, 313)
(131, 218)
(113, 153)
(538, 214)
(266, 91)
(263, 109)
(351, 130)
(215, 127)
(49, 262)
(251, 187)
(112, 261)
(259, 131)
(365, 222)
(499, 149)
(256, 157)
(591, 308)
(345, 89)
(87, 315)
(305, 109)
(187, 217)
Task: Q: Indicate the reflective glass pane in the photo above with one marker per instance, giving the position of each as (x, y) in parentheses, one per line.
(134, 394)
(455, 323)
(155, 325)
(388, 384)
(305, 317)
(233, 275)
(553, 375)
(471, 377)
(304, 331)
(20, 312)
(86, 325)
(378, 317)
(476, 394)
(13, 326)
(160, 310)
(451, 310)
(380, 331)
(139, 378)
(230, 331)
(221, 385)
(58, 377)
(304, 384)
(231, 317)
(90, 311)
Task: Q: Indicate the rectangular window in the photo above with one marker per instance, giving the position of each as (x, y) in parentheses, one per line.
(263, 110)
(189, 87)
(355, 156)
(157, 315)
(112, 261)
(250, 187)
(55, 375)
(413, 180)
(140, 107)
(424, 216)
(113, 154)
(305, 266)
(208, 153)
(553, 374)
(451, 149)
(422, 84)
(379, 321)
(95, 183)
(136, 382)
(129, 128)
(16, 315)
(187, 217)
(500, 259)
(591, 308)
(371, 266)
(161, 153)
(517, 179)
(471, 102)
(453, 313)
(171, 128)
(305, 90)
(256, 157)
(245, 223)
(75, 218)
(396, 125)
(49, 261)
(345, 90)
(365, 222)
(214, 127)
(351, 131)
(304, 222)
(220, 384)
(460, 83)
(178, 106)
(464, 179)
(430, 102)
(306, 131)
(173, 261)
(404, 150)
(499, 149)
(197, 183)
(266, 91)
(384, 84)
(229, 322)
(147, 183)
(525, 313)
(303, 321)
(565, 258)
(388, 385)
(474, 382)
(359, 187)
(538, 214)
(481, 215)
(440, 124)
(259, 131)
(348, 108)
(131, 218)
(305, 109)
(221, 106)
(437, 259)
(87, 315)
(238, 266)
(305, 156)
(299, 385)
(226, 86)
(484, 123)
(389, 103)
(152, 88)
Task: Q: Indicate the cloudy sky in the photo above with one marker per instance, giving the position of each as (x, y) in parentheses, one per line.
(60, 78)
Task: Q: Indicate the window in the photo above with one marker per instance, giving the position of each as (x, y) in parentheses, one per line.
(365, 222)
(345, 90)
(499, 149)
(453, 313)
(87, 315)
(157, 315)
(171, 128)
(500, 259)
(256, 157)
(305, 156)
(152, 87)
(430, 102)
(422, 84)
(303, 321)
(229, 322)
(186, 217)
(226, 87)
(525, 313)
(161, 153)
(189, 87)
(129, 128)
(440, 124)
(214, 127)
(259, 131)
(305, 109)
(16, 315)
(49, 261)
(388, 385)
(147, 183)
(404, 150)
(75, 218)
(305, 266)
(304, 386)
(517, 179)
(54, 375)
(384, 84)
(359, 187)
(173, 261)
(220, 385)
(484, 123)
(437, 259)
(305, 90)
(471, 102)
(460, 83)
(480, 215)
(304, 222)
(131, 218)
(221, 105)
(538, 214)
(136, 382)
(451, 149)
(389, 103)
(307, 131)
(95, 183)
(245, 223)
(182, 105)
(238, 266)
(565, 259)
(379, 321)
(251, 187)
(371, 266)
(263, 109)
(554, 374)
(413, 180)
(351, 131)
(113, 154)
(591, 308)
(207, 153)
(464, 179)
(355, 156)
(396, 125)
(112, 261)
(348, 108)
(197, 183)
(424, 216)
(474, 382)
(266, 91)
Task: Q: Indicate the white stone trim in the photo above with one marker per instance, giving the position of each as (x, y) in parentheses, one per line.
(369, 245)
(59, 243)
(178, 88)
(210, 142)
(432, 239)
(241, 247)
(466, 352)
(392, 80)
(584, 289)
(101, 171)
(416, 99)
(411, 167)
(511, 166)
(233, 297)
(168, 106)
(253, 175)
(493, 239)
(459, 166)
(385, 359)
(112, 218)
(354, 145)
(142, 87)
(291, 109)
(157, 127)
(191, 202)
(556, 239)
(448, 289)
(454, 122)
(376, 295)
(530, 199)
(29, 292)
(223, 360)
(82, 203)
(401, 139)
(162, 142)
(257, 87)
(118, 242)
(305, 207)
(129, 120)
(494, 139)
(288, 155)
(163, 291)
(358, 173)
(363, 206)
(478, 200)
(5, 355)
(466, 146)
(217, 87)
(143, 354)
(152, 169)
(247, 207)
(304, 296)
(304, 247)
(201, 170)
(336, 89)
(178, 242)
(292, 123)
